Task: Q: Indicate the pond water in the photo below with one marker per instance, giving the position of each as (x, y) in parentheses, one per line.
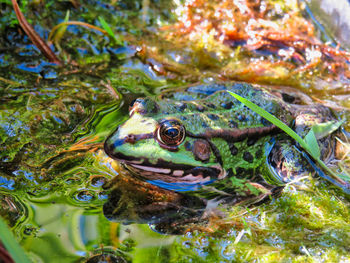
(66, 201)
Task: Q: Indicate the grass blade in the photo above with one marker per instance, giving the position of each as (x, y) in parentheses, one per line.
(60, 31)
(268, 116)
(108, 29)
(310, 139)
(309, 145)
(10, 243)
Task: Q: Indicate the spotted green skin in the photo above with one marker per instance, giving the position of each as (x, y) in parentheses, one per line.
(245, 167)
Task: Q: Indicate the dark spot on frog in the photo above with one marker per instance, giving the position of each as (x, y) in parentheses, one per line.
(201, 150)
(248, 157)
(288, 98)
(232, 124)
(230, 172)
(233, 148)
(251, 141)
(213, 117)
(243, 173)
(265, 122)
(183, 118)
(241, 117)
(210, 105)
(188, 146)
(204, 124)
(240, 172)
(200, 108)
(258, 154)
(227, 105)
(181, 106)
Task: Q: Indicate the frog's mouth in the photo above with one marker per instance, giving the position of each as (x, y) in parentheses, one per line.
(177, 174)
(167, 174)
(170, 172)
(176, 179)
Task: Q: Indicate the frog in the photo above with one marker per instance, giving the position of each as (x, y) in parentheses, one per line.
(201, 141)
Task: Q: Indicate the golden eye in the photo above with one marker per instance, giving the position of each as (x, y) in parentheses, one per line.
(171, 132)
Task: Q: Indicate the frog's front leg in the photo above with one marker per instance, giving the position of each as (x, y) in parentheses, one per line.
(287, 163)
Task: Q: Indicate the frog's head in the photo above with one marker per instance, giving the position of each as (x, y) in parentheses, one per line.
(158, 148)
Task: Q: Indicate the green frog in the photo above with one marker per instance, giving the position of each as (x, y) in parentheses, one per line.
(202, 141)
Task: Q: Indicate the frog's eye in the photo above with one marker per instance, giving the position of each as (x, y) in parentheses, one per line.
(143, 106)
(171, 132)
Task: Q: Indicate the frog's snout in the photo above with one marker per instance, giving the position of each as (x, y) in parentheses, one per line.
(108, 149)
(112, 143)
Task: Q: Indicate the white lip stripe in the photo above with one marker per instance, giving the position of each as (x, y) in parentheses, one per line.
(152, 169)
(135, 162)
(178, 173)
(196, 179)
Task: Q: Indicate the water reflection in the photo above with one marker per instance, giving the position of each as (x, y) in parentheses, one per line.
(134, 201)
(57, 232)
(12, 209)
(332, 18)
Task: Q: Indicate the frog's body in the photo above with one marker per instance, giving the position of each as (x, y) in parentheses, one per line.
(202, 135)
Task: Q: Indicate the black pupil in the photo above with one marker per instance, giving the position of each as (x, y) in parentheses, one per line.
(172, 132)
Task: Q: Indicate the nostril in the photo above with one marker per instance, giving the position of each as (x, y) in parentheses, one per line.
(130, 138)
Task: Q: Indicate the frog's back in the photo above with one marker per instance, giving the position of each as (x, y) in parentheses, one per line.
(210, 106)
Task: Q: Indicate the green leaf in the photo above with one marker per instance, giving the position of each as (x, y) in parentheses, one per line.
(8, 2)
(108, 29)
(60, 32)
(247, 228)
(323, 129)
(311, 141)
(10, 243)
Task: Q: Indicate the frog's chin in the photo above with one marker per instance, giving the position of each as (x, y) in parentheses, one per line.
(190, 175)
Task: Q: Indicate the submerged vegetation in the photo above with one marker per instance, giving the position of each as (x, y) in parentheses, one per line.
(54, 119)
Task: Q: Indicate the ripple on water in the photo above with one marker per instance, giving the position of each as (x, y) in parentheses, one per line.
(84, 196)
(103, 195)
(106, 257)
(98, 180)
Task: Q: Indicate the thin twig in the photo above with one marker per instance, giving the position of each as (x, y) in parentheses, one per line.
(34, 37)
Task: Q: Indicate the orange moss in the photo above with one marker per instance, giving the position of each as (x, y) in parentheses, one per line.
(263, 29)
